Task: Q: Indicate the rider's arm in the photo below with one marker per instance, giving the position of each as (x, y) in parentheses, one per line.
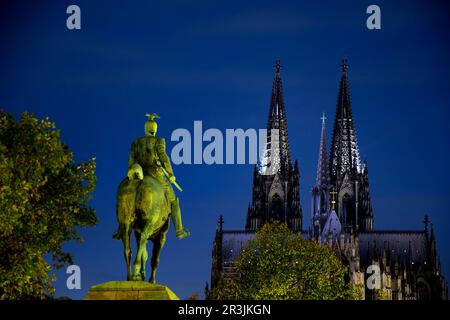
(162, 155)
(134, 168)
(131, 159)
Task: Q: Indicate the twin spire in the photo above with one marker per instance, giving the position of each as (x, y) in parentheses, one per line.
(276, 183)
(344, 155)
(277, 156)
(338, 171)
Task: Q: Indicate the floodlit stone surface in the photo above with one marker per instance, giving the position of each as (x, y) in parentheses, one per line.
(130, 290)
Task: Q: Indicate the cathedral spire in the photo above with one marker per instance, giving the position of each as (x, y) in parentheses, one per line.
(344, 156)
(276, 184)
(323, 176)
(320, 192)
(277, 157)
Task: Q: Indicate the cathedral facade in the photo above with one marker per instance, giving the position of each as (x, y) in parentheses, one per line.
(341, 210)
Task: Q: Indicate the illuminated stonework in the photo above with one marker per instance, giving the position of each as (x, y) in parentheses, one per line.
(341, 214)
(276, 182)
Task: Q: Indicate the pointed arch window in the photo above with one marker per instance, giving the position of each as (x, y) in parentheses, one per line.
(276, 208)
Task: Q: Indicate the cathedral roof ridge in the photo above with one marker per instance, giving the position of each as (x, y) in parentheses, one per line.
(396, 231)
(237, 231)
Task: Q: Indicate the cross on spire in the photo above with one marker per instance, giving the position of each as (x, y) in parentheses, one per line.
(323, 118)
(220, 222)
(333, 201)
(344, 65)
(426, 221)
(277, 66)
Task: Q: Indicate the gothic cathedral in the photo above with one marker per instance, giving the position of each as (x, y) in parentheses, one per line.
(341, 210)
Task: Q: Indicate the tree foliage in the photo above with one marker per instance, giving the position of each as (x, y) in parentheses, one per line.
(44, 197)
(278, 265)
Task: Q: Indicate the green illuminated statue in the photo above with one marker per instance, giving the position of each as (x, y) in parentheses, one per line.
(146, 201)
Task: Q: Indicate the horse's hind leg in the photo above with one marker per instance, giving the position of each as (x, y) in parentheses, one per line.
(125, 208)
(127, 249)
(144, 262)
(138, 260)
(142, 255)
(124, 234)
(158, 244)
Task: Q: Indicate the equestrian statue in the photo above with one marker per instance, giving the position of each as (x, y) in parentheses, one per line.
(146, 201)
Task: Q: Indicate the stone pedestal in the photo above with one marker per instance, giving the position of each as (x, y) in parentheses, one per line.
(130, 290)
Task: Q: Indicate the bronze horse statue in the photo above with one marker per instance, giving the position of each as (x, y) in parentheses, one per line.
(142, 207)
(146, 201)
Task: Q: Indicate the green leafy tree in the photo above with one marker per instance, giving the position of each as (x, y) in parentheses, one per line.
(278, 265)
(44, 197)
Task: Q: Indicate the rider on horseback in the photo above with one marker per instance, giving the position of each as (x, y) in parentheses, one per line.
(148, 158)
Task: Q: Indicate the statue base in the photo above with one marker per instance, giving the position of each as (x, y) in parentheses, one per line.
(130, 290)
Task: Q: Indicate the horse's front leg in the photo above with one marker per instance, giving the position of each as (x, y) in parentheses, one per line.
(144, 262)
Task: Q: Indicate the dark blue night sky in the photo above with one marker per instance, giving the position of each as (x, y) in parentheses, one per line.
(212, 61)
